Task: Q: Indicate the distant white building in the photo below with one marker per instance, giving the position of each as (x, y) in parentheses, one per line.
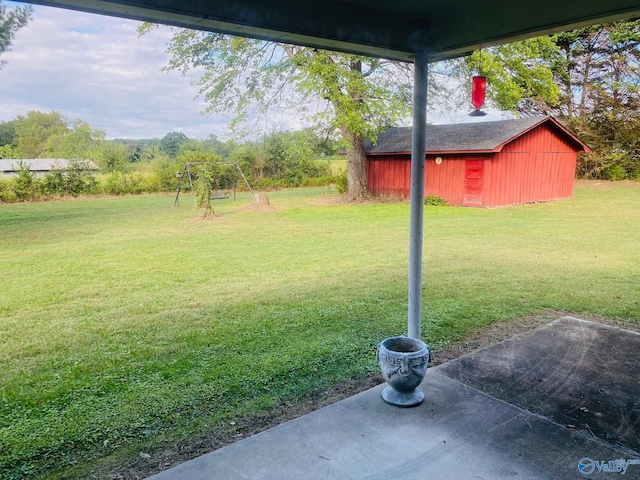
(39, 166)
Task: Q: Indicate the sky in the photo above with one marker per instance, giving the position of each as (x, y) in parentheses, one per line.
(96, 68)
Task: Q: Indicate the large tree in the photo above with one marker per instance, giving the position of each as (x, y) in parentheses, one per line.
(40, 135)
(33, 130)
(172, 143)
(75, 143)
(11, 20)
(357, 96)
(599, 71)
(7, 133)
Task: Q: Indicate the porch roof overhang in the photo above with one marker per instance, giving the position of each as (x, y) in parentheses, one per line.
(396, 30)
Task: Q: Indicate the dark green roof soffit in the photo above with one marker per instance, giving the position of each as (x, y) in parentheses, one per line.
(397, 29)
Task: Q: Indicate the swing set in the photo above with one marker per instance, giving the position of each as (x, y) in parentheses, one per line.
(215, 194)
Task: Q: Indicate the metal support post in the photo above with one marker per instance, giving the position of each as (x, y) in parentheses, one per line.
(418, 147)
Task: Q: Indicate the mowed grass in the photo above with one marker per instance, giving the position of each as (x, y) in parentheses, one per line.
(127, 325)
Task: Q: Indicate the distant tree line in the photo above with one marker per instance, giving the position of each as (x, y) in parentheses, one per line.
(278, 159)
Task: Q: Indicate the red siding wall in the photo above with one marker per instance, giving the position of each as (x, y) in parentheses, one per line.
(537, 166)
(447, 179)
(389, 175)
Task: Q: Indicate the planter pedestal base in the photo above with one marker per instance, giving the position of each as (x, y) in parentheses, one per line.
(401, 399)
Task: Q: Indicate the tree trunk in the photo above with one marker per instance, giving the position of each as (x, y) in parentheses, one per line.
(356, 167)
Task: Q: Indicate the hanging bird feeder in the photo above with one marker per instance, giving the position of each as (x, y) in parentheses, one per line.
(478, 95)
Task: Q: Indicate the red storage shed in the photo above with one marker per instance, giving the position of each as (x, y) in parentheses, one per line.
(484, 164)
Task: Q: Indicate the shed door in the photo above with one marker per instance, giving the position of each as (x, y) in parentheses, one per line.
(473, 179)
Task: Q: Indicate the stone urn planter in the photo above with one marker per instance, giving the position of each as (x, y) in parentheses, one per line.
(403, 362)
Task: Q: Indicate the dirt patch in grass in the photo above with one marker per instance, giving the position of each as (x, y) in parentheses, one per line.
(260, 208)
(329, 200)
(209, 218)
(606, 184)
(342, 200)
(144, 465)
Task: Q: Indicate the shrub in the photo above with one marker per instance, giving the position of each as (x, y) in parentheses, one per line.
(614, 172)
(73, 181)
(435, 201)
(318, 181)
(164, 173)
(114, 184)
(342, 182)
(26, 185)
(7, 192)
(268, 184)
(608, 164)
(136, 183)
(129, 183)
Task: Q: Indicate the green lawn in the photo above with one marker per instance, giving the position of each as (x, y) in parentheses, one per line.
(127, 325)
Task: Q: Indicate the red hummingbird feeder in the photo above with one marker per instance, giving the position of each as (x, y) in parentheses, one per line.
(478, 94)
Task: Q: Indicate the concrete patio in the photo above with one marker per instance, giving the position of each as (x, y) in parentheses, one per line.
(560, 402)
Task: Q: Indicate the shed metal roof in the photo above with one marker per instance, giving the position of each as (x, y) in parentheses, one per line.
(480, 137)
(397, 30)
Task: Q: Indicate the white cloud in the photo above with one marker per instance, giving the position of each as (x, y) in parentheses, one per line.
(96, 68)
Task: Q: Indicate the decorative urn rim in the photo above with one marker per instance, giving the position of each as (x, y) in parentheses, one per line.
(394, 349)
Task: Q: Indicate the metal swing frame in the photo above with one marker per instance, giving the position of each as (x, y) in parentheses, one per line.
(187, 173)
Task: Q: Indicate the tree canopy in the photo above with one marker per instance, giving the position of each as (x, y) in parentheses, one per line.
(11, 20)
(7, 133)
(34, 129)
(172, 142)
(599, 72)
(519, 75)
(277, 159)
